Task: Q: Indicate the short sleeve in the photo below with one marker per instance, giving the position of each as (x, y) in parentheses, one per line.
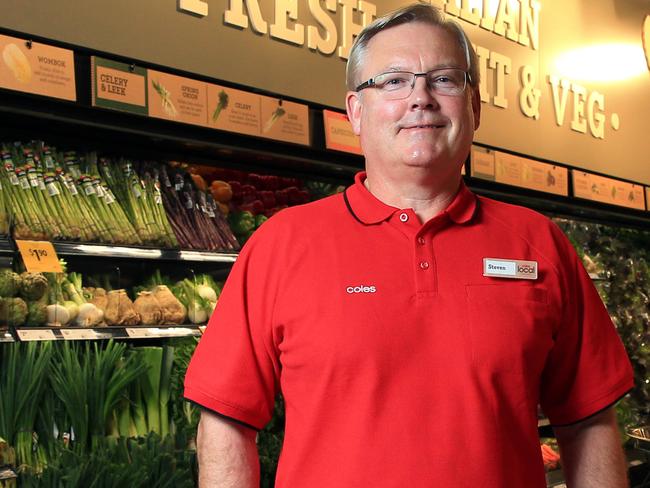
(587, 369)
(234, 370)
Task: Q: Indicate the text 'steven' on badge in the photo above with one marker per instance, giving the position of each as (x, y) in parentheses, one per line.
(510, 268)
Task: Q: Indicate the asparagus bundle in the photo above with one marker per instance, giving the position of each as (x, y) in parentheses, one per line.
(140, 196)
(193, 214)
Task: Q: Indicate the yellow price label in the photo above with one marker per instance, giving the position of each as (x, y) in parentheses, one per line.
(39, 256)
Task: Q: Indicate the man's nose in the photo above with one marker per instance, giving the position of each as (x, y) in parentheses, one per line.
(422, 95)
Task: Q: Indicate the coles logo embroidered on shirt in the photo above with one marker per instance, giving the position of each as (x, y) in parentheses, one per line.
(361, 289)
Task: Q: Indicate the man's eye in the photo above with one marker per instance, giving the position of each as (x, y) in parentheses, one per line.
(442, 80)
(396, 82)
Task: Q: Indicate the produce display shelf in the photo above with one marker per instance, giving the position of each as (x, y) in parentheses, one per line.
(107, 251)
(27, 334)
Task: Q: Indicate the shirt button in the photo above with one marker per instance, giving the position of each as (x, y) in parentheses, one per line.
(403, 217)
(421, 241)
(424, 265)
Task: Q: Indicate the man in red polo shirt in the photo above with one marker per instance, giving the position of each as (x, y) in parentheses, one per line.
(412, 327)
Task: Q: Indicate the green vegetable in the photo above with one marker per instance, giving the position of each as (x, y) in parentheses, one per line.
(241, 222)
(32, 286)
(185, 414)
(25, 368)
(89, 379)
(13, 311)
(223, 103)
(260, 219)
(36, 314)
(165, 391)
(197, 302)
(9, 283)
(151, 357)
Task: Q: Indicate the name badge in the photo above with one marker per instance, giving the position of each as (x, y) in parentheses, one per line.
(510, 268)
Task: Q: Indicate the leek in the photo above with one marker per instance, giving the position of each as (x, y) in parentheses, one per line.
(165, 384)
(24, 369)
(89, 380)
(150, 382)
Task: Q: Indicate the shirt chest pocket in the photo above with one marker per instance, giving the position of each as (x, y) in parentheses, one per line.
(510, 327)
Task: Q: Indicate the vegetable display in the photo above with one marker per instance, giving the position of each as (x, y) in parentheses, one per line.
(63, 419)
(50, 195)
(193, 214)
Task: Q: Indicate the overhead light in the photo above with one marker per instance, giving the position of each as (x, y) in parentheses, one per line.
(602, 63)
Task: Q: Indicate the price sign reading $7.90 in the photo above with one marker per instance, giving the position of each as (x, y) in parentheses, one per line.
(39, 257)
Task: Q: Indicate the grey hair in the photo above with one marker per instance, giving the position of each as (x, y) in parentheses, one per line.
(418, 12)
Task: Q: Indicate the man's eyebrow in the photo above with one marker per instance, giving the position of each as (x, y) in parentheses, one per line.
(391, 68)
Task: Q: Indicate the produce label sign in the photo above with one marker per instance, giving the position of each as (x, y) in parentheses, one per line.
(39, 256)
(118, 86)
(176, 98)
(527, 173)
(284, 121)
(607, 190)
(233, 110)
(339, 134)
(31, 67)
(647, 198)
(482, 163)
(80, 334)
(27, 335)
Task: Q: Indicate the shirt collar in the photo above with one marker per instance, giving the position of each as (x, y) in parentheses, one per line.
(368, 209)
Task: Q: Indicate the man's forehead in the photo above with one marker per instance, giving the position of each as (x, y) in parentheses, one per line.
(387, 49)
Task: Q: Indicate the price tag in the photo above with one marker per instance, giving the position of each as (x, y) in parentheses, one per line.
(78, 334)
(202, 328)
(36, 335)
(138, 333)
(39, 256)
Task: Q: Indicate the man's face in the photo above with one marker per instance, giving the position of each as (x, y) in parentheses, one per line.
(425, 130)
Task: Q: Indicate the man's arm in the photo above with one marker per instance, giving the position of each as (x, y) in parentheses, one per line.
(227, 454)
(592, 456)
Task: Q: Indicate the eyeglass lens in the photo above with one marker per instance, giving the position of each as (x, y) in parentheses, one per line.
(400, 84)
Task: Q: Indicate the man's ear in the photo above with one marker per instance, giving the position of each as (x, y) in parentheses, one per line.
(476, 107)
(353, 106)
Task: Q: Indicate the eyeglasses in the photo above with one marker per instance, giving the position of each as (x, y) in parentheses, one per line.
(396, 85)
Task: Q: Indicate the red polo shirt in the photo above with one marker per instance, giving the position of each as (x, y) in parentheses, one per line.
(401, 364)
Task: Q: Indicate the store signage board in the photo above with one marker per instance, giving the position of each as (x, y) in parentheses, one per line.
(233, 110)
(339, 134)
(607, 190)
(284, 121)
(482, 163)
(517, 171)
(39, 256)
(647, 198)
(527, 173)
(31, 67)
(118, 86)
(177, 98)
(35, 335)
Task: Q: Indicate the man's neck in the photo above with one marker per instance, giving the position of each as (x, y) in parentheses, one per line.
(426, 199)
